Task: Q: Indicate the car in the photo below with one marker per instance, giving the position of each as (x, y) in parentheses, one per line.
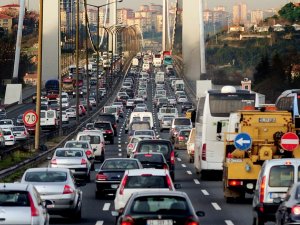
(133, 140)
(164, 207)
(172, 100)
(71, 112)
(110, 174)
(92, 101)
(152, 160)
(182, 123)
(182, 99)
(57, 185)
(186, 106)
(19, 121)
(64, 118)
(163, 146)
(89, 151)
(107, 130)
(6, 124)
(138, 133)
(20, 133)
(9, 137)
(74, 159)
(190, 145)
(182, 138)
(143, 106)
(288, 211)
(165, 122)
(65, 103)
(21, 204)
(108, 117)
(142, 180)
(130, 104)
(2, 113)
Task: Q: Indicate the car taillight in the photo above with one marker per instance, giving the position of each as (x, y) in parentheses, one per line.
(204, 152)
(148, 155)
(169, 182)
(101, 176)
(33, 209)
(296, 210)
(165, 167)
(235, 183)
(131, 146)
(88, 153)
(68, 190)
(262, 190)
(173, 157)
(11, 137)
(25, 133)
(115, 125)
(123, 183)
(191, 221)
(83, 162)
(53, 161)
(127, 220)
(181, 138)
(108, 131)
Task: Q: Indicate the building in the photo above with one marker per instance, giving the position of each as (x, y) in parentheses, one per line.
(257, 16)
(124, 14)
(10, 10)
(157, 8)
(239, 14)
(6, 23)
(30, 78)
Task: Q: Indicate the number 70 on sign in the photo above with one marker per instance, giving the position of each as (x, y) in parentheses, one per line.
(30, 118)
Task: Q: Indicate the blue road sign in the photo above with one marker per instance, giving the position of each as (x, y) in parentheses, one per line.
(243, 141)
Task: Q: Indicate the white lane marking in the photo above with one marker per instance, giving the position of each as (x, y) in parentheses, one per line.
(119, 146)
(119, 138)
(205, 192)
(183, 165)
(189, 172)
(120, 154)
(106, 206)
(179, 159)
(120, 150)
(216, 206)
(196, 181)
(100, 222)
(229, 222)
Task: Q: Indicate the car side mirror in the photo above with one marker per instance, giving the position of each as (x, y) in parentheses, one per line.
(115, 213)
(200, 213)
(177, 186)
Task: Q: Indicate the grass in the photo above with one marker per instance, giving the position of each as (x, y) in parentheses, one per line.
(15, 158)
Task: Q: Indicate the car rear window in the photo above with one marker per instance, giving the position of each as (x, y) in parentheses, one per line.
(6, 132)
(103, 126)
(120, 164)
(154, 147)
(157, 158)
(110, 118)
(182, 121)
(77, 145)
(146, 181)
(281, 176)
(46, 176)
(161, 205)
(110, 110)
(144, 132)
(93, 139)
(18, 129)
(69, 153)
(14, 198)
(185, 133)
(140, 126)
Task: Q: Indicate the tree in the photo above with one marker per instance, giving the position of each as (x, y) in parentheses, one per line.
(277, 67)
(290, 12)
(262, 69)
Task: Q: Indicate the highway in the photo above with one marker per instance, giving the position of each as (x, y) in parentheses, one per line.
(205, 195)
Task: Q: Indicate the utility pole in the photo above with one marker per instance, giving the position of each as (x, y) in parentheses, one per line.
(87, 62)
(77, 62)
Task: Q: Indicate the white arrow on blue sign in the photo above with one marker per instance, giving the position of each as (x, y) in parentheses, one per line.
(243, 141)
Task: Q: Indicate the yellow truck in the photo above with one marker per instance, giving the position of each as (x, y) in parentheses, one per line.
(242, 166)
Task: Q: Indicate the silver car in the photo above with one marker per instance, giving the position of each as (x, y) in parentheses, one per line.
(20, 133)
(166, 122)
(74, 159)
(57, 185)
(22, 204)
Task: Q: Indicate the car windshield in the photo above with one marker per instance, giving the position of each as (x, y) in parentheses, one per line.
(171, 205)
(281, 176)
(69, 153)
(46, 176)
(110, 110)
(5, 122)
(146, 181)
(14, 199)
(120, 164)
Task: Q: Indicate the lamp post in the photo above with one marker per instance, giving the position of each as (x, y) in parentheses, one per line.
(98, 42)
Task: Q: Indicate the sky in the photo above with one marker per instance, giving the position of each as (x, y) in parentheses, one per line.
(134, 4)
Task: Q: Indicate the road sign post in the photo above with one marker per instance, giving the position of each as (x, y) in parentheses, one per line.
(30, 118)
(289, 141)
(243, 141)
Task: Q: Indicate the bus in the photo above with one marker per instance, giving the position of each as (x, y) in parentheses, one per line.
(289, 101)
(214, 109)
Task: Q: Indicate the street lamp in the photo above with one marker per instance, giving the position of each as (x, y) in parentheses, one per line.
(98, 42)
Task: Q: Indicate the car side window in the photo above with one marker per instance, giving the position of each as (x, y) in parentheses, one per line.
(37, 196)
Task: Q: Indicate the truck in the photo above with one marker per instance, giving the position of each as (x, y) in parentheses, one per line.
(160, 77)
(179, 85)
(67, 85)
(241, 166)
(167, 58)
(52, 88)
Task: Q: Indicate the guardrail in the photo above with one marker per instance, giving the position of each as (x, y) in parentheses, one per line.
(179, 67)
(72, 131)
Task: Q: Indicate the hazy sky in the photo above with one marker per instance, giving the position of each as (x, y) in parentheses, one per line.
(253, 4)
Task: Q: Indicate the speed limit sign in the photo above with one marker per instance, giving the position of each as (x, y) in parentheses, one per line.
(30, 118)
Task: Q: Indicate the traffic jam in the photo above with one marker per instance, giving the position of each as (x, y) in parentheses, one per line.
(135, 163)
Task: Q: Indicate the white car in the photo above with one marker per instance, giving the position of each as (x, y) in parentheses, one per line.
(142, 106)
(65, 103)
(8, 137)
(92, 101)
(20, 133)
(130, 103)
(172, 100)
(142, 180)
(118, 104)
(182, 99)
(71, 112)
(65, 117)
(6, 124)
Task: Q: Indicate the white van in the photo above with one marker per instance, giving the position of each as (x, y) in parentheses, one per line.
(49, 119)
(112, 110)
(96, 139)
(274, 180)
(140, 116)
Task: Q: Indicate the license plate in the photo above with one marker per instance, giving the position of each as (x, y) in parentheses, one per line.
(114, 186)
(159, 222)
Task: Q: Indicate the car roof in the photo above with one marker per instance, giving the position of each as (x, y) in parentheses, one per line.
(121, 159)
(47, 169)
(81, 149)
(14, 186)
(154, 172)
(160, 193)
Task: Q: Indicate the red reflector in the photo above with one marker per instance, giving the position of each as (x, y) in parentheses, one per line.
(169, 182)
(108, 131)
(101, 176)
(235, 183)
(192, 223)
(130, 146)
(11, 137)
(53, 161)
(88, 152)
(127, 220)
(123, 183)
(83, 162)
(262, 190)
(181, 138)
(173, 157)
(148, 155)
(33, 209)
